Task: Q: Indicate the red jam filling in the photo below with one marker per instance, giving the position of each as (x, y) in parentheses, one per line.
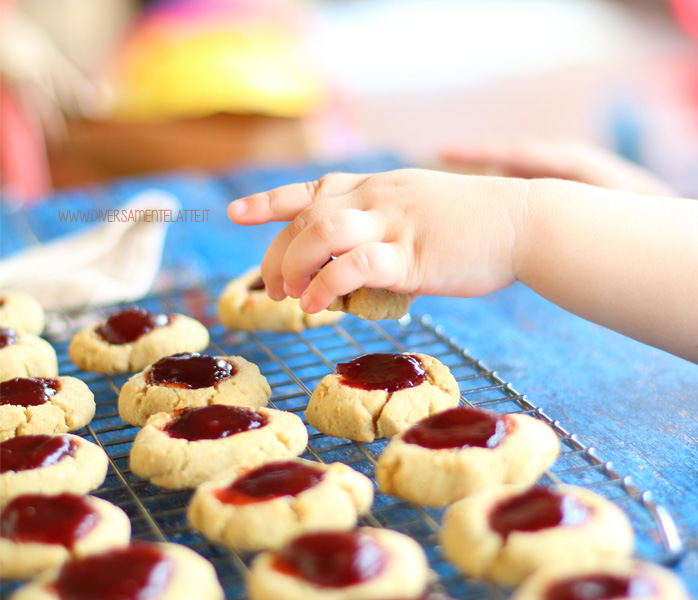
(459, 427)
(33, 451)
(190, 371)
(270, 481)
(213, 422)
(8, 336)
(534, 510)
(388, 372)
(600, 587)
(128, 325)
(2, 301)
(332, 559)
(257, 285)
(139, 572)
(61, 519)
(28, 391)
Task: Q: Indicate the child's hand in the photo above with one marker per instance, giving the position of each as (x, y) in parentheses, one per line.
(540, 158)
(623, 260)
(409, 231)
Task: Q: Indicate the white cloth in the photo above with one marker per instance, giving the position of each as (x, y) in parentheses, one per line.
(108, 263)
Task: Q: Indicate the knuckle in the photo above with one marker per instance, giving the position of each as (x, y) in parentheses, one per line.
(297, 225)
(362, 262)
(325, 228)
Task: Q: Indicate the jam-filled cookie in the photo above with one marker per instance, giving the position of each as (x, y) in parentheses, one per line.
(195, 444)
(39, 532)
(267, 506)
(373, 304)
(191, 380)
(625, 580)
(141, 571)
(244, 305)
(379, 395)
(50, 464)
(21, 311)
(133, 339)
(30, 405)
(362, 564)
(454, 453)
(25, 355)
(505, 534)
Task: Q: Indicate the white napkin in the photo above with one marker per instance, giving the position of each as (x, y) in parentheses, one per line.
(114, 262)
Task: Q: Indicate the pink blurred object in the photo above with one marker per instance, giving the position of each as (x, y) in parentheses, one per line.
(24, 168)
(686, 12)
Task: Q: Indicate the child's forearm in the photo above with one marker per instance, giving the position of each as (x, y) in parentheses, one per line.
(626, 261)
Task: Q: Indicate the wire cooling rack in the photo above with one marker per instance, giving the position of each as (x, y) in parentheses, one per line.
(293, 364)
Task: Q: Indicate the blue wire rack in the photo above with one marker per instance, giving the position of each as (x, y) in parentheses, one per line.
(293, 364)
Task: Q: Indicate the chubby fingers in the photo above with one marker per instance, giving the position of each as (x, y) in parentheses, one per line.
(311, 239)
(286, 202)
(376, 265)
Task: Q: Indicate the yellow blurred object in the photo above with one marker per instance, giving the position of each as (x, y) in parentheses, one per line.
(172, 70)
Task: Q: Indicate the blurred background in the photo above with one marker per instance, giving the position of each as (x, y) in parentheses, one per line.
(94, 90)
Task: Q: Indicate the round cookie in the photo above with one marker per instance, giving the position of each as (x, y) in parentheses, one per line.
(269, 505)
(40, 532)
(25, 355)
(244, 305)
(454, 453)
(623, 580)
(133, 339)
(373, 304)
(21, 311)
(44, 405)
(505, 534)
(363, 564)
(191, 380)
(379, 395)
(50, 464)
(155, 571)
(196, 444)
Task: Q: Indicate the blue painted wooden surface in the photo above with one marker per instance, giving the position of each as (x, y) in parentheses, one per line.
(637, 405)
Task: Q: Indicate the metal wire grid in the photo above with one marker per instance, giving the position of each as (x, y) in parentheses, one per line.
(293, 364)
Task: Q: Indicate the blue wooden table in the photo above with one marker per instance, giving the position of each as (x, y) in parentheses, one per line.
(638, 406)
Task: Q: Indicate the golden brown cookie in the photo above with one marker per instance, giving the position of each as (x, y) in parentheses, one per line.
(244, 305)
(191, 380)
(50, 464)
(195, 444)
(143, 570)
(25, 355)
(625, 580)
(21, 311)
(133, 339)
(267, 506)
(454, 453)
(32, 405)
(373, 304)
(363, 564)
(379, 395)
(507, 533)
(39, 532)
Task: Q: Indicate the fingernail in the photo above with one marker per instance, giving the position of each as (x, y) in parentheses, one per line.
(306, 302)
(239, 207)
